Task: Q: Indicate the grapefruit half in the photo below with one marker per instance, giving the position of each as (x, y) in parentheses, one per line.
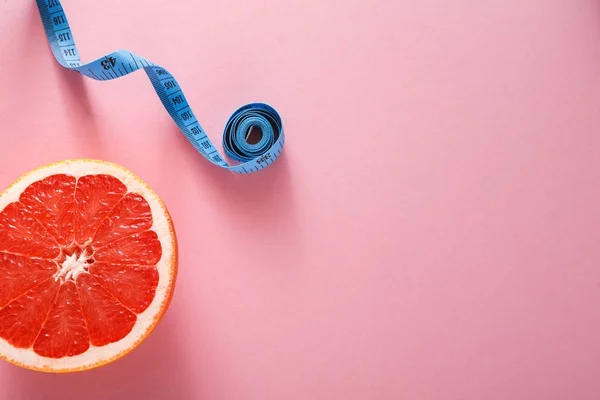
(88, 262)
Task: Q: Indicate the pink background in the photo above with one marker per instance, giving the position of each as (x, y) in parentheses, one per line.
(431, 231)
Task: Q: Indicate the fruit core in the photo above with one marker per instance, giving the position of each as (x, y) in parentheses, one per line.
(73, 261)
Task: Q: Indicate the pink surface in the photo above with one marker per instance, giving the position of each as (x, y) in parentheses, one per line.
(431, 232)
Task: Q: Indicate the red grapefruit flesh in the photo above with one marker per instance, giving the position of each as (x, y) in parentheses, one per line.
(88, 262)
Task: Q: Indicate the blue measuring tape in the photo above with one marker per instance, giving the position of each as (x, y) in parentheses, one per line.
(253, 154)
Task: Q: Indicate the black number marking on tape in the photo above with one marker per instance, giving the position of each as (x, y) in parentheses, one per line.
(177, 99)
(109, 62)
(59, 20)
(64, 37)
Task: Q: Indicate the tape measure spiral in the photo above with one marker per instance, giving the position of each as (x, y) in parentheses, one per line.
(259, 117)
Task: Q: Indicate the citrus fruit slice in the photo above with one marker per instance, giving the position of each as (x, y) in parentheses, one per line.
(88, 262)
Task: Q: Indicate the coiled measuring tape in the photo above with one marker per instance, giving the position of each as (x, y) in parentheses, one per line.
(261, 118)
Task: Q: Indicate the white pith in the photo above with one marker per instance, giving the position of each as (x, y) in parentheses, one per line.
(72, 267)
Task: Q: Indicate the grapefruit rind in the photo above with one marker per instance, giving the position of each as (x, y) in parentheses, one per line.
(96, 357)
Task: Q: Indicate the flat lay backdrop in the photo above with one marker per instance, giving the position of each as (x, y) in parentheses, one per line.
(431, 232)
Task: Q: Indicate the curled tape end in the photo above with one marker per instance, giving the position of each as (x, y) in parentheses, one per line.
(256, 152)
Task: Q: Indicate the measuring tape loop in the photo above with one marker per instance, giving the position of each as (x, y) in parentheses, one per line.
(239, 143)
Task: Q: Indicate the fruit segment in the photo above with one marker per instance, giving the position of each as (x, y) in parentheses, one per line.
(21, 320)
(52, 202)
(141, 248)
(95, 197)
(64, 333)
(18, 274)
(131, 215)
(107, 319)
(134, 286)
(21, 233)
